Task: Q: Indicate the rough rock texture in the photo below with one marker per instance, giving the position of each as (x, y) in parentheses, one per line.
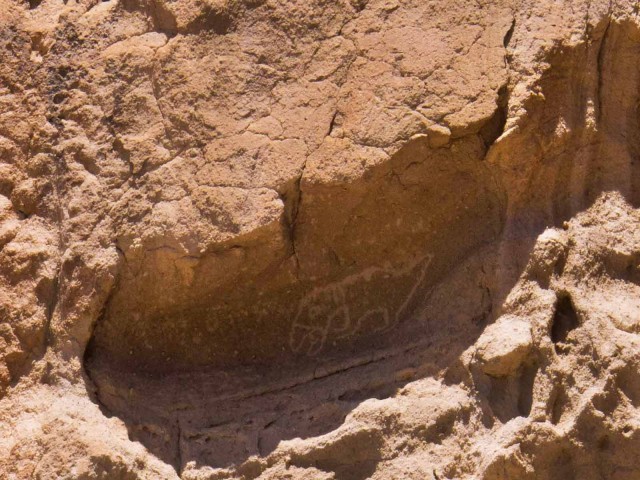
(319, 239)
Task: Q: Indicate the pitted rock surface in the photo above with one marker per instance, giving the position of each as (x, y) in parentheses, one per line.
(345, 239)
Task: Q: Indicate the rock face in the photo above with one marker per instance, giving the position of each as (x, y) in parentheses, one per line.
(319, 239)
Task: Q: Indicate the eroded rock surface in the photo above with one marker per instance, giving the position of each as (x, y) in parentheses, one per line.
(345, 239)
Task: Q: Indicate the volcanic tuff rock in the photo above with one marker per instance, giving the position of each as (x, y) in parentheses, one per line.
(319, 239)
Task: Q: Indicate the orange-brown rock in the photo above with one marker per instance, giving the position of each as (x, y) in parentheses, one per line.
(313, 239)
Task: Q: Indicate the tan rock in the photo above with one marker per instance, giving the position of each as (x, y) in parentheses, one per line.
(439, 136)
(319, 239)
(504, 346)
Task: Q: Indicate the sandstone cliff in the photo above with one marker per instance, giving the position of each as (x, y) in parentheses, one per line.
(320, 239)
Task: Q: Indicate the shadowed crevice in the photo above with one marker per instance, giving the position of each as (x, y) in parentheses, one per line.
(565, 319)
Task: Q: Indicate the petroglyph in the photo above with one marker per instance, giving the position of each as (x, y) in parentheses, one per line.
(370, 301)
